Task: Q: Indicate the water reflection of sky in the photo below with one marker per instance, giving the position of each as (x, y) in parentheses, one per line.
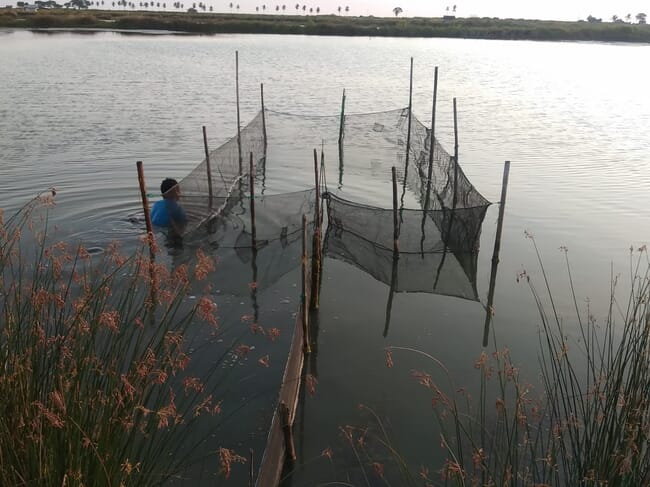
(76, 112)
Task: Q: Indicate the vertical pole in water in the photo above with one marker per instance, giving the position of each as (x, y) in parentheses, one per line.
(395, 218)
(207, 165)
(290, 449)
(251, 182)
(145, 207)
(251, 472)
(408, 134)
(495, 254)
(265, 139)
(455, 156)
(263, 113)
(432, 142)
(238, 118)
(303, 298)
(341, 135)
(315, 268)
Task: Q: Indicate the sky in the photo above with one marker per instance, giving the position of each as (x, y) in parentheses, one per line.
(528, 9)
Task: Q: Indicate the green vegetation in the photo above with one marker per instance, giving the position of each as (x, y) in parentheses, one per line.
(588, 424)
(209, 23)
(95, 376)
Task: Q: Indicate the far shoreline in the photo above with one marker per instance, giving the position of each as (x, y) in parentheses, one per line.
(183, 23)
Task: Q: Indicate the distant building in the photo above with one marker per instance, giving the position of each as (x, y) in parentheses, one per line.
(448, 18)
(30, 8)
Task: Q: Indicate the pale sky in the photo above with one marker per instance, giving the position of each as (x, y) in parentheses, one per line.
(528, 9)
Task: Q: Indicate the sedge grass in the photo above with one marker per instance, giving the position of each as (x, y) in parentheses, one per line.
(589, 424)
(94, 381)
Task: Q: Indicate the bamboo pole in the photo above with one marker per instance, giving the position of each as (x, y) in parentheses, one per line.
(341, 135)
(316, 257)
(263, 113)
(408, 129)
(455, 156)
(495, 253)
(287, 429)
(433, 139)
(251, 471)
(303, 298)
(342, 120)
(265, 138)
(251, 182)
(391, 293)
(395, 213)
(145, 207)
(207, 164)
(408, 135)
(238, 117)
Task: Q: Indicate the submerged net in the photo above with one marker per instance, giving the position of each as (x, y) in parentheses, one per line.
(438, 248)
(258, 256)
(439, 237)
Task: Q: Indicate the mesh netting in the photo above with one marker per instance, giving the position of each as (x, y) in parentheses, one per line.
(438, 242)
(438, 248)
(227, 175)
(273, 251)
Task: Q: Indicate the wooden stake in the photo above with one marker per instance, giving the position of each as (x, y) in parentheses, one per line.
(391, 293)
(263, 113)
(287, 429)
(455, 202)
(433, 138)
(251, 471)
(303, 298)
(316, 257)
(207, 164)
(238, 118)
(342, 120)
(408, 129)
(395, 218)
(341, 135)
(408, 141)
(145, 207)
(251, 182)
(495, 254)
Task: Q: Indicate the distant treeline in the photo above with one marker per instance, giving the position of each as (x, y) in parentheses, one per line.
(209, 23)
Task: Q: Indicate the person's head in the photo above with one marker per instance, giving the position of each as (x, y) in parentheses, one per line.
(169, 188)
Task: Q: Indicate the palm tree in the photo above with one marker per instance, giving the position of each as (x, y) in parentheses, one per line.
(641, 18)
(454, 9)
(347, 9)
(304, 8)
(263, 8)
(297, 7)
(237, 7)
(257, 9)
(628, 18)
(284, 7)
(277, 8)
(231, 5)
(339, 10)
(614, 18)
(397, 11)
(311, 10)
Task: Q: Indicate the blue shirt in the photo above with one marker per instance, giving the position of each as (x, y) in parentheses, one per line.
(167, 210)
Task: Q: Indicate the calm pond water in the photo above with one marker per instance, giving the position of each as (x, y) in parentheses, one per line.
(77, 111)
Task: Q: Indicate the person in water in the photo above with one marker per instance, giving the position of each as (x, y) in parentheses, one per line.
(167, 212)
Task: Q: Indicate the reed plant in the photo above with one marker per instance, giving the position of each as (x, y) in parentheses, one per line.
(94, 381)
(589, 424)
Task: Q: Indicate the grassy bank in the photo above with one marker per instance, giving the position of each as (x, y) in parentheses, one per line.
(209, 23)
